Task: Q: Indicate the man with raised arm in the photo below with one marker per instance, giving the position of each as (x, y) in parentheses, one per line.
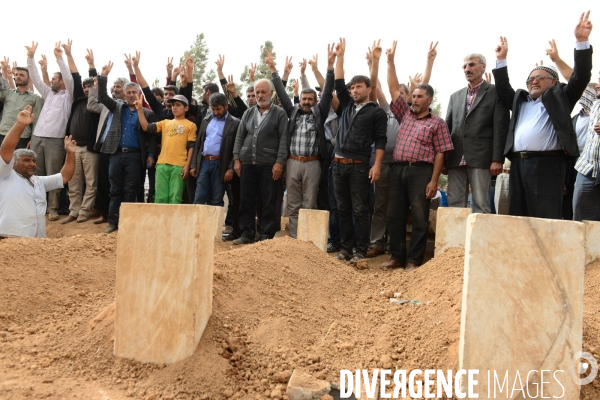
(23, 199)
(305, 140)
(361, 123)
(130, 147)
(49, 132)
(15, 100)
(82, 127)
(418, 159)
(540, 131)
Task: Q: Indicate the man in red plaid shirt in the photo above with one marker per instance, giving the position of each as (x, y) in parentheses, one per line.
(422, 140)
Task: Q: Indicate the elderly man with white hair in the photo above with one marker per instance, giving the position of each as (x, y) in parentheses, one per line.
(259, 153)
(23, 194)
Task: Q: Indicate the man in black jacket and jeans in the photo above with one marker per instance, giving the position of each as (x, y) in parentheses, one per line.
(361, 122)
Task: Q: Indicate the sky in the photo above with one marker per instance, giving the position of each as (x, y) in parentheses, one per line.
(237, 29)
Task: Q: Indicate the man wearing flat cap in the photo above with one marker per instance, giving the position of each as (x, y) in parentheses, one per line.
(541, 134)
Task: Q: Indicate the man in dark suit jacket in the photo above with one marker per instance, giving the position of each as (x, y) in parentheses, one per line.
(478, 123)
(212, 146)
(130, 148)
(540, 131)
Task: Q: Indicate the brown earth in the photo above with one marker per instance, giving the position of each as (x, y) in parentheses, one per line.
(278, 305)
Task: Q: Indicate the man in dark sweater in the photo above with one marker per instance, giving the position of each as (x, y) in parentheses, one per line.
(259, 153)
(361, 123)
(82, 127)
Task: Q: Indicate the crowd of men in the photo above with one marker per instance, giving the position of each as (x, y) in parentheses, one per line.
(346, 147)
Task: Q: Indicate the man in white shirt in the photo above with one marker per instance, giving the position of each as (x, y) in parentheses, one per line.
(50, 129)
(23, 199)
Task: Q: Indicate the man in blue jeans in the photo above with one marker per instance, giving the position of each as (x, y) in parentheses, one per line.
(361, 122)
(212, 161)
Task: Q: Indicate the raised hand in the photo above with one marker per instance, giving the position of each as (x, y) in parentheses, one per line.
(139, 102)
(67, 47)
(169, 67)
(314, 61)
(432, 53)
(58, 51)
(251, 72)
(502, 49)
(583, 28)
(303, 67)
(488, 77)
(331, 54)
(43, 63)
(390, 53)
(70, 144)
(31, 49)
(231, 86)
(135, 60)
(269, 60)
(5, 64)
(376, 49)
(90, 58)
(296, 86)
(288, 66)
(106, 69)
(189, 62)
(182, 75)
(220, 62)
(25, 117)
(176, 72)
(416, 81)
(552, 52)
(369, 57)
(541, 63)
(128, 61)
(340, 48)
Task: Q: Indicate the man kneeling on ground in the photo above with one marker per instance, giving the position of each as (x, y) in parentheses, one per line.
(23, 199)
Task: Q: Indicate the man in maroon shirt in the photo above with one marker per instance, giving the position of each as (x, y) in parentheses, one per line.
(422, 140)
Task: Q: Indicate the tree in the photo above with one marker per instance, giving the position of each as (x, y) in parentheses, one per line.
(436, 106)
(156, 83)
(199, 53)
(262, 70)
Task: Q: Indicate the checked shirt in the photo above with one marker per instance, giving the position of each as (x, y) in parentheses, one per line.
(419, 139)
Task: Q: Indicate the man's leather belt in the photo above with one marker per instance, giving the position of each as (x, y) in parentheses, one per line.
(129, 150)
(210, 158)
(346, 160)
(525, 154)
(411, 163)
(303, 158)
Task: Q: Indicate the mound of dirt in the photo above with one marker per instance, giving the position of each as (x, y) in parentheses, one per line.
(278, 305)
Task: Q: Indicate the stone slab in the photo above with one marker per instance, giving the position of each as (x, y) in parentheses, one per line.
(592, 241)
(522, 307)
(164, 280)
(303, 386)
(313, 226)
(451, 223)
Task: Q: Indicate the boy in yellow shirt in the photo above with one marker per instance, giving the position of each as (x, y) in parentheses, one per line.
(178, 139)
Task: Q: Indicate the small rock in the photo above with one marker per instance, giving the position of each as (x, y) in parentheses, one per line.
(276, 394)
(151, 397)
(362, 264)
(282, 376)
(386, 361)
(303, 386)
(228, 393)
(326, 397)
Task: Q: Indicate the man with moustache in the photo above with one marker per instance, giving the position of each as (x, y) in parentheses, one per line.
(478, 123)
(259, 153)
(418, 156)
(23, 203)
(305, 141)
(15, 100)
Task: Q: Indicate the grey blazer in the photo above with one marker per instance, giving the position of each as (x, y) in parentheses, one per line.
(481, 134)
(95, 107)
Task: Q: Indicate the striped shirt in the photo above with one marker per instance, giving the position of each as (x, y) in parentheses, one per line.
(589, 159)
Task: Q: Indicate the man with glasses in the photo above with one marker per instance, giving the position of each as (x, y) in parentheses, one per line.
(478, 123)
(540, 131)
